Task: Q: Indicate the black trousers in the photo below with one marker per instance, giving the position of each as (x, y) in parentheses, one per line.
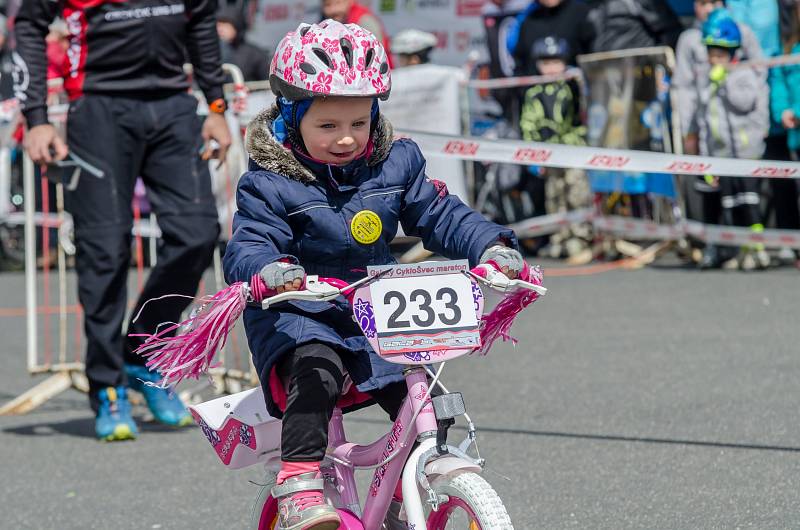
(741, 201)
(159, 140)
(315, 376)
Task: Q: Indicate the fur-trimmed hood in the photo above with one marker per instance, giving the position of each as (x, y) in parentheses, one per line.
(268, 153)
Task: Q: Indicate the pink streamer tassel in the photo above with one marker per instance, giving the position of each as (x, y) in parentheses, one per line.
(190, 352)
(497, 324)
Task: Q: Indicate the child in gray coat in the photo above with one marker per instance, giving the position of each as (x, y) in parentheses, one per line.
(733, 121)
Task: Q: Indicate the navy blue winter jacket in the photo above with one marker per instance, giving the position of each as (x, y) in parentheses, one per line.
(302, 211)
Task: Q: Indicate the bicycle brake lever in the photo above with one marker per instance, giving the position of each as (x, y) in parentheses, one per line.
(522, 284)
(500, 282)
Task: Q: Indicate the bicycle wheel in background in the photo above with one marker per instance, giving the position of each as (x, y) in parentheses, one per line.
(472, 505)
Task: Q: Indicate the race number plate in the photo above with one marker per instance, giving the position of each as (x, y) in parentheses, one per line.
(423, 313)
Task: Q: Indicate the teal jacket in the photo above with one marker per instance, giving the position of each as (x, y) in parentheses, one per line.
(784, 85)
(763, 18)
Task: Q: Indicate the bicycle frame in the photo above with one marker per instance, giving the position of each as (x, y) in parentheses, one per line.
(397, 444)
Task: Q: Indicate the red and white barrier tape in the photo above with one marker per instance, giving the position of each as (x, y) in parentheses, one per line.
(551, 223)
(642, 229)
(738, 236)
(599, 158)
(637, 229)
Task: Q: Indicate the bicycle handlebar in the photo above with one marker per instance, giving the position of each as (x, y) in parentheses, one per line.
(190, 353)
(319, 290)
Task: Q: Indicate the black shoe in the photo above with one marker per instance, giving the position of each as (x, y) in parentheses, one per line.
(711, 258)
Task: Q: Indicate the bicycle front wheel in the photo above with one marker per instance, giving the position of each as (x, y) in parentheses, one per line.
(471, 504)
(264, 515)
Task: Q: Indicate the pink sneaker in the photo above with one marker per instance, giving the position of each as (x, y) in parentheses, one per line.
(302, 506)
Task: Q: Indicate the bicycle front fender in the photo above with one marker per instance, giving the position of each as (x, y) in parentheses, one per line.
(449, 465)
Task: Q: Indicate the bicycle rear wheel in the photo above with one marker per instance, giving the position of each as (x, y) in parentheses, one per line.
(471, 504)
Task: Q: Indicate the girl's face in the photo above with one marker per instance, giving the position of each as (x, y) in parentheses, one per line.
(336, 129)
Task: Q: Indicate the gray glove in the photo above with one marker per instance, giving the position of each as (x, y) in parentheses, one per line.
(504, 257)
(278, 273)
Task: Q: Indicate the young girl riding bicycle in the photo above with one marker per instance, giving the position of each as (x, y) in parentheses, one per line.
(326, 188)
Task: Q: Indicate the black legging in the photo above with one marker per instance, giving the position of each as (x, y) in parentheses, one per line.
(315, 375)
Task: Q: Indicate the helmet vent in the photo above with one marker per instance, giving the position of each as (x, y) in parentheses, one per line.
(308, 68)
(347, 51)
(384, 68)
(368, 58)
(324, 57)
(304, 31)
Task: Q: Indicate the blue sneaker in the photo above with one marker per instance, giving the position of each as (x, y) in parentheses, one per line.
(114, 420)
(165, 404)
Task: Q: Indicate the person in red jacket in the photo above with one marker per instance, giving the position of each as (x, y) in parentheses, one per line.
(351, 12)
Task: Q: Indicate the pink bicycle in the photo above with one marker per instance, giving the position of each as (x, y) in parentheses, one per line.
(416, 315)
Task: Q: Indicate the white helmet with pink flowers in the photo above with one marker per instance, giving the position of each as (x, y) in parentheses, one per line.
(330, 59)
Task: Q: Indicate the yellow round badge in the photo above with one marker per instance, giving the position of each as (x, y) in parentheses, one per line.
(366, 227)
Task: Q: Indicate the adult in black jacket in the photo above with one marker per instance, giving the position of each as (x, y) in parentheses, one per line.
(6, 63)
(566, 19)
(251, 60)
(627, 24)
(130, 115)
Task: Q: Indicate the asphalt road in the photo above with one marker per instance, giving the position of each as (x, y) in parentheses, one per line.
(658, 398)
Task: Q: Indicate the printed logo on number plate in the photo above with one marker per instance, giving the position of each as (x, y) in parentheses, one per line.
(366, 227)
